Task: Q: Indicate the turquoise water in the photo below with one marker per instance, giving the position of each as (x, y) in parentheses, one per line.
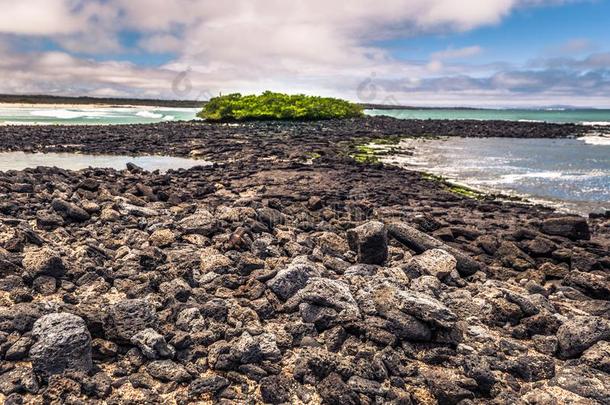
(10, 115)
(572, 174)
(90, 115)
(558, 115)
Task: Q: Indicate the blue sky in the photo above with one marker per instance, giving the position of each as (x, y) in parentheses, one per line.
(417, 52)
(525, 34)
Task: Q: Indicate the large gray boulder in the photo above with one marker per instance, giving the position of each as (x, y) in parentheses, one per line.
(370, 241)
(63, 343)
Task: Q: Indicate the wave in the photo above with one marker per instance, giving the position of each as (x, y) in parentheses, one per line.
(63, 114)
(23, 123)
(595, 140)
(149, 114)
(596, 123)
(530, 120)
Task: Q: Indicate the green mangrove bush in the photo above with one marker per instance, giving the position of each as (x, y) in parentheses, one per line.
(277, 106)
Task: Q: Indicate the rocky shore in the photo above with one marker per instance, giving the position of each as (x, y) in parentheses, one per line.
(287, 272)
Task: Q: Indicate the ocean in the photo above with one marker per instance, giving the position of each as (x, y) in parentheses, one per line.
(21, 115)
(92, 115)
(555, 115)
(572, 175)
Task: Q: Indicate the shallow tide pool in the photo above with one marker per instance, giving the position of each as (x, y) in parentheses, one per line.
(77, 161)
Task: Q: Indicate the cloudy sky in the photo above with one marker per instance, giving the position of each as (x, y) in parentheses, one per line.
(414, 52)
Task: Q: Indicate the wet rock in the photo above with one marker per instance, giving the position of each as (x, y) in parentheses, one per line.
(43, 261)
(578, 334)
(70, 210)
(63, 344)
(152, 344)
(128, 317)
(293, 278)
(370, 242)
(575, 228)
(434, 262)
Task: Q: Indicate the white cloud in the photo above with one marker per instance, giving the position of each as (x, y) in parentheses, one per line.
(39, 17)
(161, 43)
(310, 46)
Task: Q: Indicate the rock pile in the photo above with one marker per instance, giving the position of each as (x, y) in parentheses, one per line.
(285, 282)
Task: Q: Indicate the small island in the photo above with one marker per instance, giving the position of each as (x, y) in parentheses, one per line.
(277, 106)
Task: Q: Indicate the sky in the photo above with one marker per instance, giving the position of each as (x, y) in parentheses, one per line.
(478, 53)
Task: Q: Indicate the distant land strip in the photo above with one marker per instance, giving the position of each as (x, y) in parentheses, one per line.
(44, 99)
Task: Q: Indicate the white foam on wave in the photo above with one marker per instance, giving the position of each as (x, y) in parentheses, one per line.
(596, 123)
(64, 114)
(530, 121)
(595, 139)
(149, 114)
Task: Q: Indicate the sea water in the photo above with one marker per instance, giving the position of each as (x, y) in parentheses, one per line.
(554, 115)
(570, 174)
(91, 115)
(78, 161)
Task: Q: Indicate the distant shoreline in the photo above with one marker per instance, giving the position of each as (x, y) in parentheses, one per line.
(43, 100)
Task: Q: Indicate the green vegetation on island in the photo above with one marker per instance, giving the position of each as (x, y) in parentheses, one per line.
(277, 106)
